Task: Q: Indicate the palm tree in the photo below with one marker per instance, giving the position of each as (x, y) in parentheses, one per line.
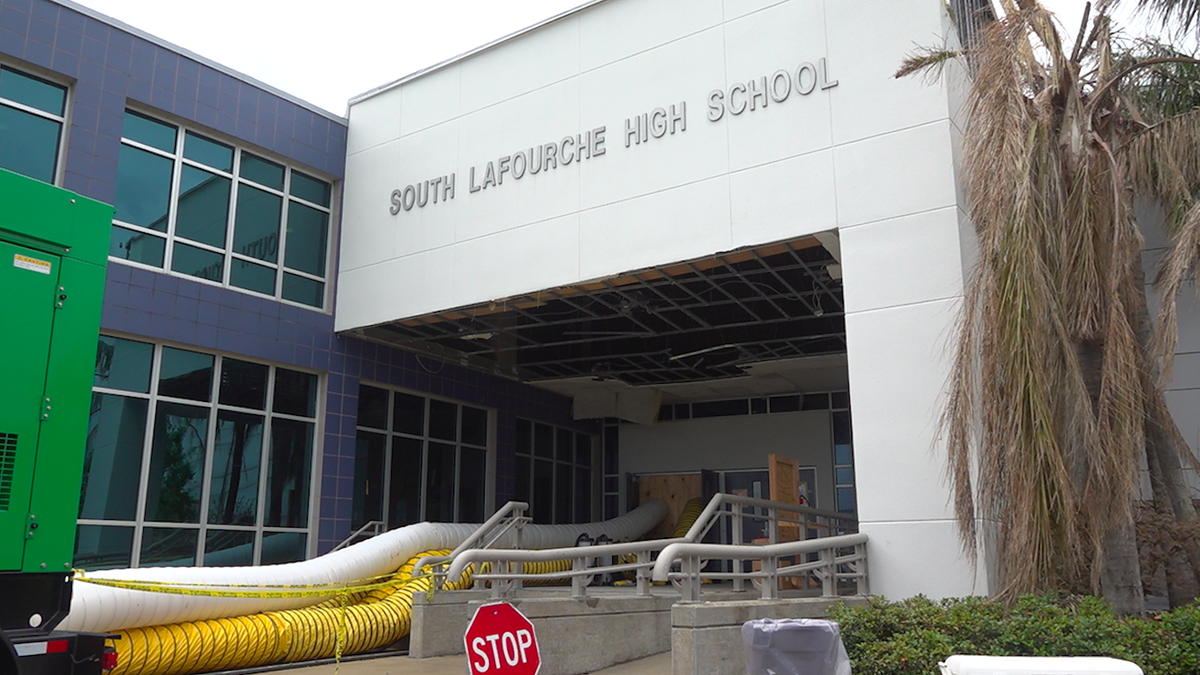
(1054, 398)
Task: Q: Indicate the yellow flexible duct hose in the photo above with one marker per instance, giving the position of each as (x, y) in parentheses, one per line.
(691, 511)
(352, 623)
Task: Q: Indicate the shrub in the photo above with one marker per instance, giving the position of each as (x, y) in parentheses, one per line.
(910, 637)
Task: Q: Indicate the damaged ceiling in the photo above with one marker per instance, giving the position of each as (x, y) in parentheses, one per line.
(695, 321)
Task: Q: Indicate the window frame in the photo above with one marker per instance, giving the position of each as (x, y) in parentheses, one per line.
(555, 462)
(390, 434)
(228, 251)
(260, 530)
(64, 120)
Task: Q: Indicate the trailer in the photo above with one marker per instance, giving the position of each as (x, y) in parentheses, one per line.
(53, 255)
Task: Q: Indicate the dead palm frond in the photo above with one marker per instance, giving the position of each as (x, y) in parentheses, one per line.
(1047, 404)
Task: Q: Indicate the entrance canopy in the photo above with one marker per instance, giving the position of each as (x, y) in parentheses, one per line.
(703, 319)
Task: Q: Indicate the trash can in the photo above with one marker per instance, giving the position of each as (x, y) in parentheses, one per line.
(794, 647)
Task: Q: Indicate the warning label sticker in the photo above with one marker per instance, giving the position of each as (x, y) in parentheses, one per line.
(32, 264)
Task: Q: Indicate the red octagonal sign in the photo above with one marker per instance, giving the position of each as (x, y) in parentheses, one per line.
(501, 641)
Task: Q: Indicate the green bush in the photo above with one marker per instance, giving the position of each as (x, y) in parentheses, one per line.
(912, 636)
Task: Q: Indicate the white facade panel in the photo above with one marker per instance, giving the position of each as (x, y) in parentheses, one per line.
(867, 43)
(613, 31)
(907, 558)
(520, 66)
(898, 361)
(894, 249)
(905, 172)
(533, 259)
(692, 219)
(784, 199)
(780, 98)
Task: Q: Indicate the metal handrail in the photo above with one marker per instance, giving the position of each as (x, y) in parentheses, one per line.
(713, 509)
(689, 555)
(375, 526)
(582, 570)
(511, 516)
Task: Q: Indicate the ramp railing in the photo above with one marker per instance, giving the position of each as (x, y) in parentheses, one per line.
(827, 552)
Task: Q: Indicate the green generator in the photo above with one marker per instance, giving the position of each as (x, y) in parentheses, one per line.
(53, 254)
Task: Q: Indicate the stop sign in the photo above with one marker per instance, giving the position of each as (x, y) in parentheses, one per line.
(501, 641)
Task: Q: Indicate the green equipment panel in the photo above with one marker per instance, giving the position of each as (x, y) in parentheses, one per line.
(29, 279)
(53, 252)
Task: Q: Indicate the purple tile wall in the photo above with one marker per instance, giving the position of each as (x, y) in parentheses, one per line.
(352, 361)
(111, 67)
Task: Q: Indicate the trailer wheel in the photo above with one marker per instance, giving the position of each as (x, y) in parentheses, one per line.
(8, 656)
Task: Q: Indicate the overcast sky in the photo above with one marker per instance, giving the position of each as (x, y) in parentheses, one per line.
(325, 52)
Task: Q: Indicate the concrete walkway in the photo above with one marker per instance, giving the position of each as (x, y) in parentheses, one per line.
(659, 664)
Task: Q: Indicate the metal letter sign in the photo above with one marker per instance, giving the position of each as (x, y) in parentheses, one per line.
(501, 641)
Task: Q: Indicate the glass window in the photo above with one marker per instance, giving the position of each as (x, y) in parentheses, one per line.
(185, 374)
(228, 548)
(310, 189)
(112, 458)
(237, 454)
(175, 183)
(425, 450)
(169, 547)
(203, 206)
(143, 189)
(222, 476)
(256, 230)
(372, 407)
(31, 124)
(307, 232)
(198, 262)
(123, 364)
(281, 547)
(149, 132)
(177, 463)
(252, 277)
(370, 456)
(554, 474)
(99, 547)
(211, 153)
(137, 247)
(244, 384)
(261, 171)
(295, 393)
(303, 290)
(287, 475)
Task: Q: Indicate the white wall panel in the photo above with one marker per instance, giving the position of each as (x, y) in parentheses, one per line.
(374, 121)
(616, 30)
(907, 558)
(431, 100)
(366, 237)
(801, 122)
(737, 8)
(516, 125)
(540, 253)
(679, 71)
(692, 220)
(898, 362)
(424, 280)
(894, 175)
(738, 442)
(519, 66)
(899, 250)
(782, 200)
(868, 40)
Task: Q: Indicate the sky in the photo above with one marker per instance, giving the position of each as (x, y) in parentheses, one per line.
(327, 52)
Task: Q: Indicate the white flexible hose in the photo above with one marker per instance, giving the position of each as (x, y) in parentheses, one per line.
(98, 609)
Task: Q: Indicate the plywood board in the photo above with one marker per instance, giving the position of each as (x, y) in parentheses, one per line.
(674, 489)
(784, 479)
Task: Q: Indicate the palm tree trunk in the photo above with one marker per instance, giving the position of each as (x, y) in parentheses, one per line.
(1164, 442)
(1120, 576)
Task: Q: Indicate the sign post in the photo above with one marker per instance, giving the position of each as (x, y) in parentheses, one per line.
(501, 641)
